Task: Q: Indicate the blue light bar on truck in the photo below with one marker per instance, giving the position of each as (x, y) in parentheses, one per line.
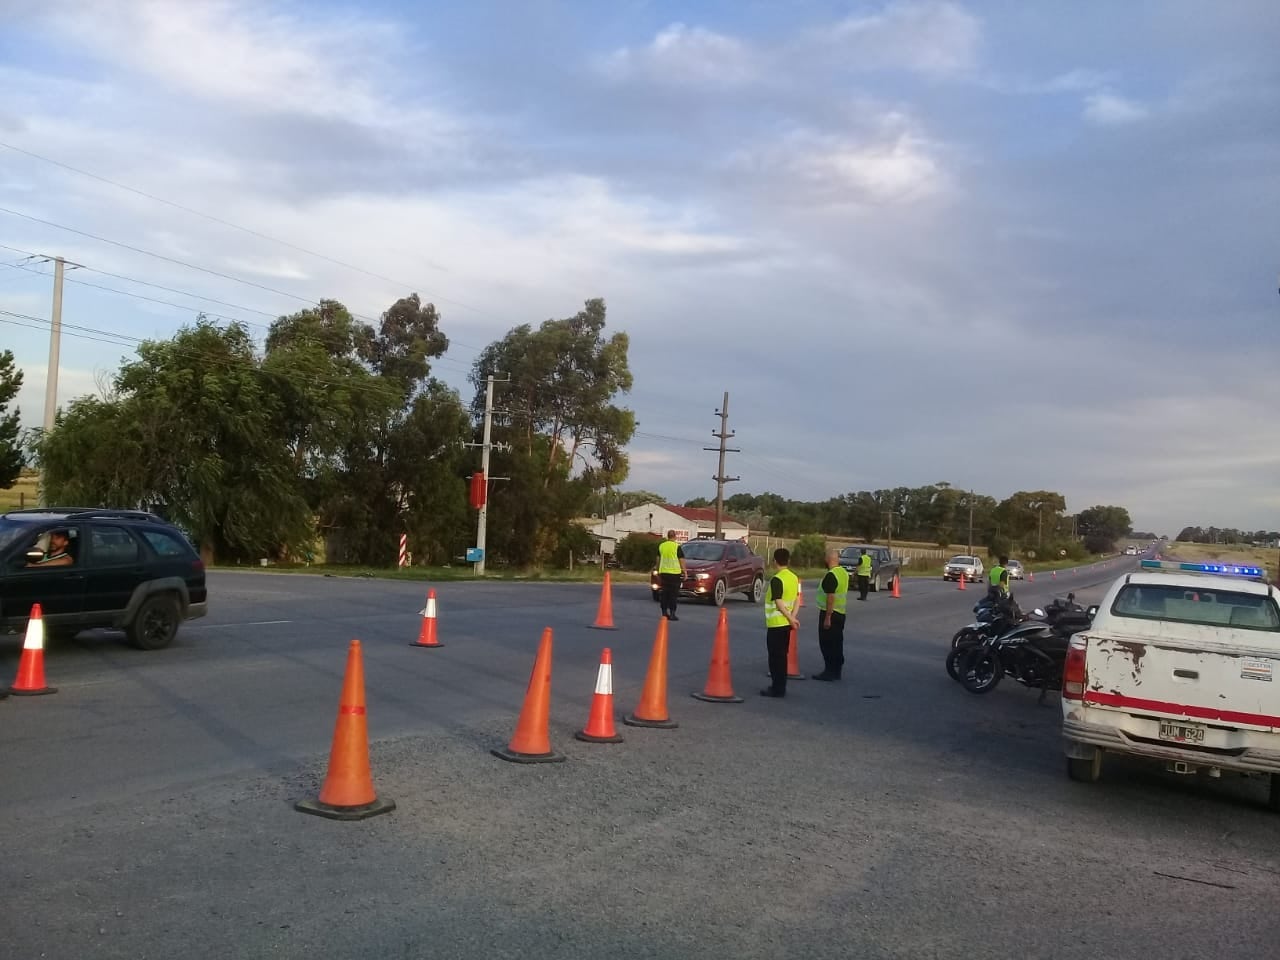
(1222, 569)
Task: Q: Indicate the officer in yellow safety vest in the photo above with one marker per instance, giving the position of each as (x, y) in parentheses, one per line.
(779, 620)
(833, 594)
(864, 575)
(672, 572)
(998, 578)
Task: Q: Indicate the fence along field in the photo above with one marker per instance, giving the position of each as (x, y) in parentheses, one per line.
(920, 554)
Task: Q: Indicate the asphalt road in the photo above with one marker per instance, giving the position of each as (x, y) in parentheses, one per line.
(147, 806)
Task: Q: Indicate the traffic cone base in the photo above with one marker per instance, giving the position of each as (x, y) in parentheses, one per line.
(533, 726)
(699, 695)
(380, 805)
(631, 720)
(604, 615)
(427, 635)
(588, 738)
(30, 693)
(506, 754)
(348, 776)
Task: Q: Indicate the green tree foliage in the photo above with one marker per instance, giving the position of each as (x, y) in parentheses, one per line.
(1102, 527)
(193, 431)
(565, 432)
(637, 551)
(809, 551)
(11, 455)
(377, 441)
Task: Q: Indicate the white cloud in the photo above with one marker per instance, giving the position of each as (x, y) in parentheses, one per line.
(1110, 110)
(813, 167)
(930, 37)
(681, 55)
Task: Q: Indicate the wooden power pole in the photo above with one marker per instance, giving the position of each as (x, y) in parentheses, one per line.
(723, 435)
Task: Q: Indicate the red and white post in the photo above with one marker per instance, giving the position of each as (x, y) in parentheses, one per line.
(404, 549)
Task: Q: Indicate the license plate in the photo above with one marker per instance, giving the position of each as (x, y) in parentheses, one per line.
(1181, 732)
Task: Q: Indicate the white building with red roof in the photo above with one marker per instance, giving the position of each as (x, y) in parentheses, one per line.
(689, 523)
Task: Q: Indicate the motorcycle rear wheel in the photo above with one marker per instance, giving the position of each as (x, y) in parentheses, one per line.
(954, 658)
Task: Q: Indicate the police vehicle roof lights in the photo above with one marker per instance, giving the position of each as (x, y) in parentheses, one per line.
(1221, 569)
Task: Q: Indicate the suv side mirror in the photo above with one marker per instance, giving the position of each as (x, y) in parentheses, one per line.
(35, 556)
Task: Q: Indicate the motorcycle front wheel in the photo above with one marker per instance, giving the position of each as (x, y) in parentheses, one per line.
(965, 635)
(980, 670)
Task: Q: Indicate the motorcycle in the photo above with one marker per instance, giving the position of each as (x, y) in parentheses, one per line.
(1031, 652)
(993, 617)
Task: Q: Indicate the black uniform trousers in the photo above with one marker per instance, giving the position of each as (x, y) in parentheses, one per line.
(778, 642)
(864, 584)
(670, 591)
(831, 642)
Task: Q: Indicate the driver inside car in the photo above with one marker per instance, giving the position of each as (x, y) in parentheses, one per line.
(58, 554)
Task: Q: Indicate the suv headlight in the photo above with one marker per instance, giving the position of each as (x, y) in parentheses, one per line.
(702, 576)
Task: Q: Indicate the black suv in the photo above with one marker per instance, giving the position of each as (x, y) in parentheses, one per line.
(119, 569)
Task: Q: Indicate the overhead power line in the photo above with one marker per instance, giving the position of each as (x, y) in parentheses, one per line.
(236, 226)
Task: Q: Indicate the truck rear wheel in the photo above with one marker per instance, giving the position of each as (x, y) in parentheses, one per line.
(1088, 771)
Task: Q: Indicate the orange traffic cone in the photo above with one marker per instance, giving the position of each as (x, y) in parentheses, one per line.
(604, 616)
(347, 793)
(427, 635)
(896, 594)
(652, 710)
(30, 681)
(532, 740)
(793, 658)
(962, 580)
(719, 688)
(1031, 576)
(1055, 575)
(600, 728)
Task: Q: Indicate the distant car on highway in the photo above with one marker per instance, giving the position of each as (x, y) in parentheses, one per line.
(970, 567)
(119, 569)
(1016, 570)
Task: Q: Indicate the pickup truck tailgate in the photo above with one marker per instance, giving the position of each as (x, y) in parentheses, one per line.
(1216, 685)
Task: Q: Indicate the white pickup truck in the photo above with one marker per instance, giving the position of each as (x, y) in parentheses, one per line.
(1180, 664)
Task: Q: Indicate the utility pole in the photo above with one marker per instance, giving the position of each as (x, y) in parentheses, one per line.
(971, 523)
(485, 446)
(51, 375)
(720, 478)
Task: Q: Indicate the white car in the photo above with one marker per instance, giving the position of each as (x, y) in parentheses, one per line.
(1182, 665)
(971, 567)
(1016, 570)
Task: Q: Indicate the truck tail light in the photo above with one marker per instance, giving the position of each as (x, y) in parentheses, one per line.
(1074, 675)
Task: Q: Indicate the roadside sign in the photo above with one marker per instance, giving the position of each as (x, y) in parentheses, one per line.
(475, 554)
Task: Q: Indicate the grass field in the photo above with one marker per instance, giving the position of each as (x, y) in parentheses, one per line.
(1263, 557)
(24, 493)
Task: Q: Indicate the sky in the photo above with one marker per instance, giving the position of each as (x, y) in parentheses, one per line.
(1004, 245)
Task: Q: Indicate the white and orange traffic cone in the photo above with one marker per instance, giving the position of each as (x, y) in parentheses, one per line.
(30, 681)
(600, 727)
(427, 635)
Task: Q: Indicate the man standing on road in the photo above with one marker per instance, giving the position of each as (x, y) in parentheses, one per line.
(864, 575)
(779, 620)
(833, 593)
(671, 574)
(998, 578)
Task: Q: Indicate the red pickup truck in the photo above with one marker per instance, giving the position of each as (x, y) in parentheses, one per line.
(718, 568)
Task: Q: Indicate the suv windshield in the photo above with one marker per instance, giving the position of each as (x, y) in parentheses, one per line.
(694, 550)
(851, 553)
(1210, 607)
(962, 560)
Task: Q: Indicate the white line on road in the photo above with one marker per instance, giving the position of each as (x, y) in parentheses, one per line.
(253, 623)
